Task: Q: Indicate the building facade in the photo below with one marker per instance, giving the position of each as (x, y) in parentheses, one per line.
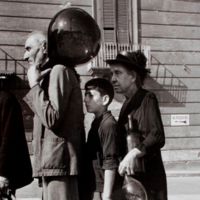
(168, 31)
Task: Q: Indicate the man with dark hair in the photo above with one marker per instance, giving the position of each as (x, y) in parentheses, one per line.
(101, 145)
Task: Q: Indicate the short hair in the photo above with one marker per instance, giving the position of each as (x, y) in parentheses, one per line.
(102, 85)
(40, 36)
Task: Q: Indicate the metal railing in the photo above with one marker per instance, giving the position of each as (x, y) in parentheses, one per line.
(161, 79)
(12, 66)
(169, 82)
(109, 50)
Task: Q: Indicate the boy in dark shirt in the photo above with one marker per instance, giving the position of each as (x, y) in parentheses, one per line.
(101, 143)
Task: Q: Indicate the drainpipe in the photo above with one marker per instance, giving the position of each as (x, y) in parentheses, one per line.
(135, 21)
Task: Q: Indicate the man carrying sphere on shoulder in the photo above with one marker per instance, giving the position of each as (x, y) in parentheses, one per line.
(55, 98)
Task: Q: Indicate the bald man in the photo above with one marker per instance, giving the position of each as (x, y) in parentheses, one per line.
(58, 132)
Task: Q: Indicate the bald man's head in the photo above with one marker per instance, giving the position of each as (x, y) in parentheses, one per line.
(36, 48)
(39, 36)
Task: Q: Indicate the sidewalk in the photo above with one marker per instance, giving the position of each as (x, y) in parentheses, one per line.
(30, 192)
(183, 188)
(180, 187)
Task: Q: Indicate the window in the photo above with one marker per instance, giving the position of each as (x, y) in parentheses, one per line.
(113, 16)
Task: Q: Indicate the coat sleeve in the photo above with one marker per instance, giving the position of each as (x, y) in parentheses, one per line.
(8, 121)
(108, 138)
(154, 136)
(51, 108)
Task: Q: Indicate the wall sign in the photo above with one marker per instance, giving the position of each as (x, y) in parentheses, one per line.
(180, 120)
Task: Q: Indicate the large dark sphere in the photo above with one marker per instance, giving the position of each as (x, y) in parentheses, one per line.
(73, 37)
(133, 189)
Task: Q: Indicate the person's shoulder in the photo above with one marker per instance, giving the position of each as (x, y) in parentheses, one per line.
(149, 94)
(58, 68)
(108, 125)
(150, 98)
(108, 120)
(62, 69)
(8, 97)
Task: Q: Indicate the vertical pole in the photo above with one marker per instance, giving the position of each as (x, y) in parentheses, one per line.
(93, 9)
(135, 21)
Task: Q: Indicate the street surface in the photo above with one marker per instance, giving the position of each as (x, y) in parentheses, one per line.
(179, 188)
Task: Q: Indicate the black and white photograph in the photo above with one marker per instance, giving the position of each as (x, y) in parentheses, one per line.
(99, 99)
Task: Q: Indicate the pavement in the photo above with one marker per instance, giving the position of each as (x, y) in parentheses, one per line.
(181, 186)
(29, 192)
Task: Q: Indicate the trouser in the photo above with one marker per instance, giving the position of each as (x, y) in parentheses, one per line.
(157, 195)
(116, 195)
(119, 195)
(60, 188)
(154, 193)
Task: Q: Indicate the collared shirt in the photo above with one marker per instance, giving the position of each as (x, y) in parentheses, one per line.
(102, 147)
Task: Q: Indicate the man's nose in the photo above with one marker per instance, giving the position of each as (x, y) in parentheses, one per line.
(113, 78)
(26, 56)
(85, 99)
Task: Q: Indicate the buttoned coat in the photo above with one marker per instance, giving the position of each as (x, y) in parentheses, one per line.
(146, 119)
(58, 132)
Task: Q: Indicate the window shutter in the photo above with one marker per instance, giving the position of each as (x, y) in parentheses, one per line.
(114, 18)
(109, 20)
(122, 21)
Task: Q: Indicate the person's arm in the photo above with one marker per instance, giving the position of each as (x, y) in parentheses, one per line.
(155, 138)
(50, 108)
(109, 179)
(128, 163)
(110, 159)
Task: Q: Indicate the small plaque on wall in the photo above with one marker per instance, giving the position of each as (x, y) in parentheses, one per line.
(180, 120)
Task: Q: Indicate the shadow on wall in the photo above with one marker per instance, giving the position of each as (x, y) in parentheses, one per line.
(169, 89)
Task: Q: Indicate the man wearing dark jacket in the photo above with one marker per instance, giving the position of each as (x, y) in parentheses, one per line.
(15, 164)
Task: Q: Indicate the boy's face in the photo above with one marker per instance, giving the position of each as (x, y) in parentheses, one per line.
(93, 101)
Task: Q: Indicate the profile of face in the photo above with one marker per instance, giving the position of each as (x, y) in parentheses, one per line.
(94, 101)
(122, 79)
(34, 50)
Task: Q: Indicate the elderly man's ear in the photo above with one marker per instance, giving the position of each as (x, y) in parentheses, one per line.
(44, 47)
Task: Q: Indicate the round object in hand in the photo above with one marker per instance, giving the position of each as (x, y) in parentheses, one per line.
(133, 189)
(73, 36)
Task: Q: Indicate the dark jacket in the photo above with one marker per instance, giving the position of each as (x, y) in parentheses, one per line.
(15, 162)
(146, 118)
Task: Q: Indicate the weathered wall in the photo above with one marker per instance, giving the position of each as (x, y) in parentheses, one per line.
(172, 29)
(17, 19)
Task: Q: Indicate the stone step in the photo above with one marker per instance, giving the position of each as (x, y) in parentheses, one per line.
(183, 168)
(184, 197)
